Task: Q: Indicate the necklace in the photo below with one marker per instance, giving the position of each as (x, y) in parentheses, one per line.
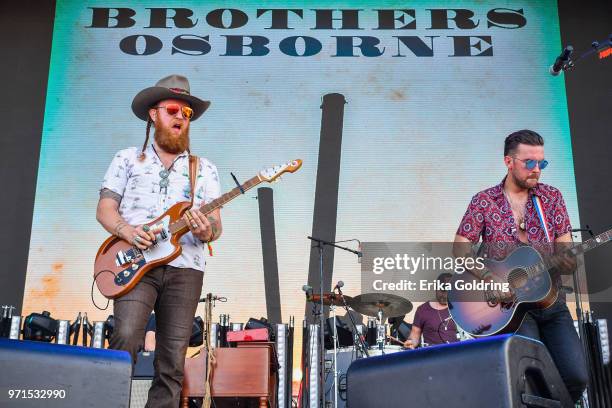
(164, 174)
(442, 321)
(521, 217)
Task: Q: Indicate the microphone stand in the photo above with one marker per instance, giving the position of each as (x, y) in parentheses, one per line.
(75, 328)
(320, 243)
(360, 341)
(578, 297)
(596, 47)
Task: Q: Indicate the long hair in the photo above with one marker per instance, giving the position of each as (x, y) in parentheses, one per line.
(142, 155)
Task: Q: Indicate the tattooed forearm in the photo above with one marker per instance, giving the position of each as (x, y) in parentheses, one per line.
(215, 227)
(107, 193)
(119, 226)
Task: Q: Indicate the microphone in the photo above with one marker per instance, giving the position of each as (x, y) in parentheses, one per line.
(359, 253)
(561, 60)
(308, 291)
(339, 285)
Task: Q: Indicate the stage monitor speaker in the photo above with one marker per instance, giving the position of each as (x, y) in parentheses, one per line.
(500, 371)
(52, 375)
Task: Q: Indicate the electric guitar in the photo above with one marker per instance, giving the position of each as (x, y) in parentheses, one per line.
(119, 265)
(485, 313)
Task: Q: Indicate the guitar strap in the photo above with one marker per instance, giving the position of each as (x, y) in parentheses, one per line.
(194, 162)
(537, 203)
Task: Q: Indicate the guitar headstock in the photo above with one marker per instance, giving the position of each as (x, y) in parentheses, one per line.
(272, 173)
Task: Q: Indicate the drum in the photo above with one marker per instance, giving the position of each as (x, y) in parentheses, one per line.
(388, 349)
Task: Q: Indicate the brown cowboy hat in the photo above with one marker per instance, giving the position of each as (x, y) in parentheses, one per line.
(170, 87)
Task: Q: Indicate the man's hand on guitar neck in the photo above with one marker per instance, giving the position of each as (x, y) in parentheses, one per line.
(206, 228)
(199, 225)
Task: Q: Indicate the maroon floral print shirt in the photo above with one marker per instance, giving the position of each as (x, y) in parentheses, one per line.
(489, 216)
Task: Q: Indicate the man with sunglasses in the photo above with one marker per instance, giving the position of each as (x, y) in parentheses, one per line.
(522, 211)
(139, 186)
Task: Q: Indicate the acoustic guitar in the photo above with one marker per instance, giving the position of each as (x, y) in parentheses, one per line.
(528, 275)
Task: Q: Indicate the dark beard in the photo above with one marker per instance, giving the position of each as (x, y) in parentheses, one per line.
(522, 184)
(170, 143)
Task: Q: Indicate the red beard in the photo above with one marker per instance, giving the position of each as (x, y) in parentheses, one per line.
(169, 141)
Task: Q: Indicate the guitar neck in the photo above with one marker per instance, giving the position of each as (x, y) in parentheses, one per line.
(229, 196)
(582, 247)
(218, 203)
(591, 243)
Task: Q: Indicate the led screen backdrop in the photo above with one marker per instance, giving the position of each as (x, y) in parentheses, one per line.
(432, 89)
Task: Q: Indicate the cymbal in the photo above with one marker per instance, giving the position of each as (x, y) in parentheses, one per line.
(391, 305)
(330, 299)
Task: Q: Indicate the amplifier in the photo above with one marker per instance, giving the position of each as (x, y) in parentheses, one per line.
(140, 392)
(248, 335)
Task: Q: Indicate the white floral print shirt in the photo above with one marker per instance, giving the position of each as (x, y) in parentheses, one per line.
(143, 200)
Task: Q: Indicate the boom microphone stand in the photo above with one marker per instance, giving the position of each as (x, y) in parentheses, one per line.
(360, 343)
(564, 61)
(320, 243)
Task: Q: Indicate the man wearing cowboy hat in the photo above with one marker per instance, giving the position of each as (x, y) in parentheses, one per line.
(139, 186)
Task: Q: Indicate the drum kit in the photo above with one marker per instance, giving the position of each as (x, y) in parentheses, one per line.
(374, 341)
(377, 306)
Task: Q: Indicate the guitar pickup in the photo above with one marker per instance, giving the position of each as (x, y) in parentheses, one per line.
(121, 258)
(125, 257)
(163, 234)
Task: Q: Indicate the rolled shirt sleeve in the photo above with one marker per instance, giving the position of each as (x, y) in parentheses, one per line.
(472, 224)
(116, 176)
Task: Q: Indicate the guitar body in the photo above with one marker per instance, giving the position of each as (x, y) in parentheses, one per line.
(481, 313)
(119, 265)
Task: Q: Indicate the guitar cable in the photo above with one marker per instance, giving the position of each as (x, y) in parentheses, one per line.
(93, 282)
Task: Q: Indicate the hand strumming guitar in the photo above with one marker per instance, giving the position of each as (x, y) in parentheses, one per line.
(140, 236)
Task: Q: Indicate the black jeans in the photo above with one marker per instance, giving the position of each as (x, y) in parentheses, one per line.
(173, 293)
(555, 328)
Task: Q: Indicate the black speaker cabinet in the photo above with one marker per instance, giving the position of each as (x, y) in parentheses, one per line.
(500, 371)
(36, 374)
